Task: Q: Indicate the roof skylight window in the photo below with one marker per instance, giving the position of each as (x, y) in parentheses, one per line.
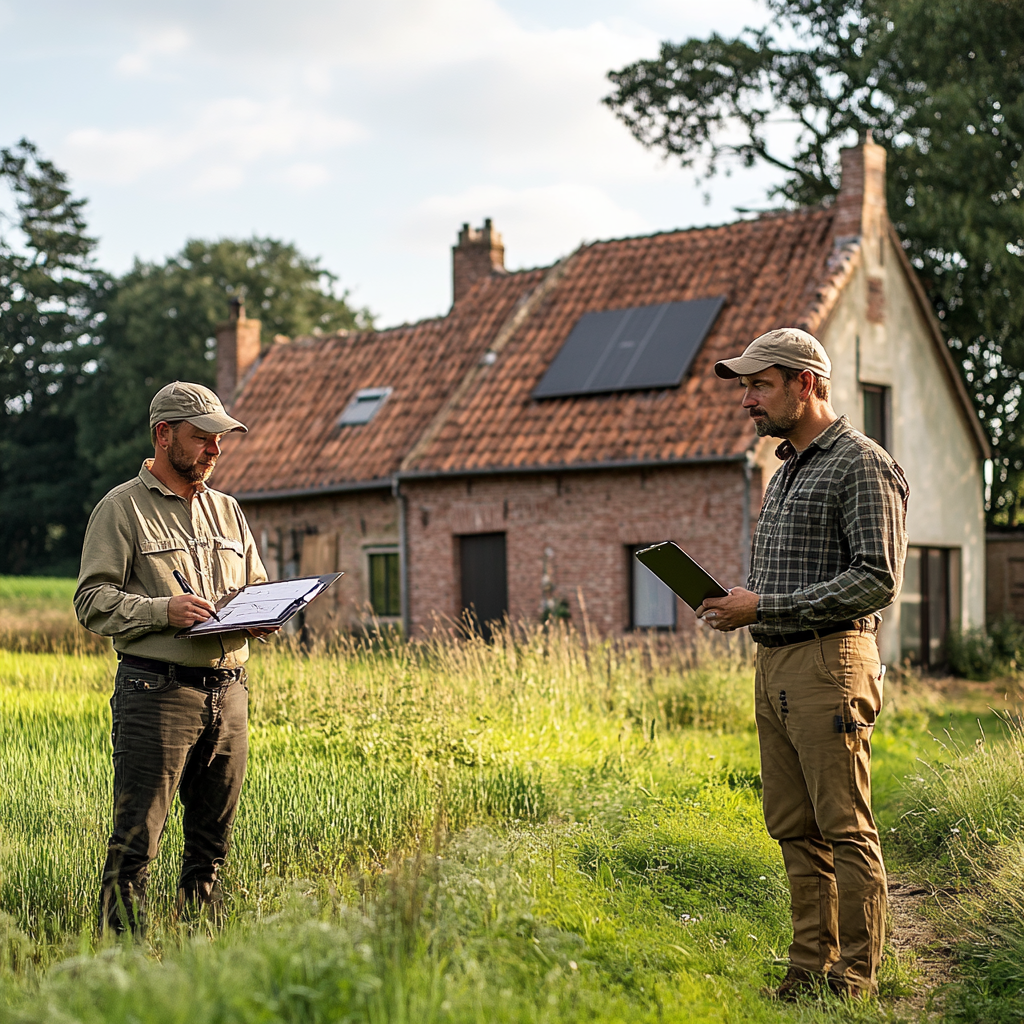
(629, 349)
(363, 406)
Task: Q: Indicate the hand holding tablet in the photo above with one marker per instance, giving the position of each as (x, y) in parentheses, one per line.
(696, 586)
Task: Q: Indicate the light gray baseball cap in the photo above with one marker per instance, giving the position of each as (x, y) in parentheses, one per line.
(788, 346)
(181, 400)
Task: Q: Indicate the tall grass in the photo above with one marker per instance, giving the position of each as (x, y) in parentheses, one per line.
(969, 802)
(965, 827)
(543, 828)
(357, 755)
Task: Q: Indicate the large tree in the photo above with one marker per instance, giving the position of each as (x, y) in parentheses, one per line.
(941, 84)
(50, 290)
(159, 325)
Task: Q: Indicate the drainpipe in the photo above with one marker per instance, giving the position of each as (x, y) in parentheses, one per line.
(403, 551)
(748, 472)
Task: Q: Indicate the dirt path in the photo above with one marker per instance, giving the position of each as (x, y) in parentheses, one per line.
(915, 938)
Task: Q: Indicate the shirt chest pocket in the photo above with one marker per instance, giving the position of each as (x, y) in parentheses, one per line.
(229, 561)
(164, 549)
(160, 557)
(808, 516)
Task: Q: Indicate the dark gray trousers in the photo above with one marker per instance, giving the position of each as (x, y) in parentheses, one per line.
(171, 738)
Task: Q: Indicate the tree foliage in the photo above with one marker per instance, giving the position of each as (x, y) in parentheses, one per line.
(941, 84)
(49, 294)
(159, 326)
(82, 352)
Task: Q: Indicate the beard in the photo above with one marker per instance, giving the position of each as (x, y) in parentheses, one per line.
(783, 423)
(195, 471)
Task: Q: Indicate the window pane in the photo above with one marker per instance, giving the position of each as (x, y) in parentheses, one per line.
(875, 426)
(385, 589)
(910, 609)
(955, 598)
(394, 586)
(938, 603)
(654, 604)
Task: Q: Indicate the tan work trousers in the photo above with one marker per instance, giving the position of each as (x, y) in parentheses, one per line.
(816, 704)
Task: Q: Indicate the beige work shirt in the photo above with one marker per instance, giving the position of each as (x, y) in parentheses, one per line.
(137, 535)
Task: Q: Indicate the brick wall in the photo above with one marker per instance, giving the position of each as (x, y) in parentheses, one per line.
(329, 534)
(576, 527)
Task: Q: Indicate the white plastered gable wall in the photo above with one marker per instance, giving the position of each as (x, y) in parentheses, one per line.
(931, 436)
(878, 330)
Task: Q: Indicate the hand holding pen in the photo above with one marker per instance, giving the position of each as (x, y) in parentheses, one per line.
(191, 612)
(189, 609)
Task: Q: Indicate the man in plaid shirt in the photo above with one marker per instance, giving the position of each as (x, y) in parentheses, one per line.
(828, 554)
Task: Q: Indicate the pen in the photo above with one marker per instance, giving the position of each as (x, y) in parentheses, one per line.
(183, 583)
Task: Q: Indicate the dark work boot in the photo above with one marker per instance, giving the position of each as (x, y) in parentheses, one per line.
(797, 984)
(847, 989)
(123, 907)
(198, 897)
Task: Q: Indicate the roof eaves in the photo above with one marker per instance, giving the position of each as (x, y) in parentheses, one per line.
(570, 467)
(842, 262)
(380, 484)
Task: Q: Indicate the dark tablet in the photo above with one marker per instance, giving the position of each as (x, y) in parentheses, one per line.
(671, 564)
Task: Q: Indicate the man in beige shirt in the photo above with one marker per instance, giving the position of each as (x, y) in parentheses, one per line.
(180, 706)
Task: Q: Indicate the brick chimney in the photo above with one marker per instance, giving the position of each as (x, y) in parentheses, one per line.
(860, 206)
(480, 252)
(238, 347)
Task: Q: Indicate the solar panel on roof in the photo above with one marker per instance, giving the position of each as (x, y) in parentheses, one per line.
(629, 349)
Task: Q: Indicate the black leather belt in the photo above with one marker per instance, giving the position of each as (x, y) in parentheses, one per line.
(801, 636)
(186, 675)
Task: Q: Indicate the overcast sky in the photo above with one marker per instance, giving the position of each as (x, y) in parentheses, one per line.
(365, 132)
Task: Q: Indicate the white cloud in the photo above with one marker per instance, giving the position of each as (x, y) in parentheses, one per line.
(471, 108)
(115, 156)
(218, 178)
(538, 225)
(228, 131)
(154, 44)
(305, 175)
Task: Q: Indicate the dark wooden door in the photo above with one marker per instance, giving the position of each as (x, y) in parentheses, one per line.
(484, 578)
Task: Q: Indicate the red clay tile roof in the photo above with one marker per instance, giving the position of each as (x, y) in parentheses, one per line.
(292, 402)
(452, 410)
(769, 270)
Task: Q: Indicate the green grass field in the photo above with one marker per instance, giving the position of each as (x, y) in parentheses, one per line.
(537, 830)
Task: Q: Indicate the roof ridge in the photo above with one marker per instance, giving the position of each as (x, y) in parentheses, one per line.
(512, 323)
(776, 214)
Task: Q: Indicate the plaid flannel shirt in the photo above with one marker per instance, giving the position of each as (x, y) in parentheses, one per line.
(831, 539)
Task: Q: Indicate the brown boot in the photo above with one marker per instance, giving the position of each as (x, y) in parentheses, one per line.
(797, 984)
(847, 989)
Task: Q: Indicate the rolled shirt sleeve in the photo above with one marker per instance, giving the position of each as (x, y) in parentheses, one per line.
(102, 602)
(831, 538)
(138, 537)
(871, 512)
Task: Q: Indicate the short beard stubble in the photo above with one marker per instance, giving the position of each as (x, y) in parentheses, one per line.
(194, 472)
(785, 422)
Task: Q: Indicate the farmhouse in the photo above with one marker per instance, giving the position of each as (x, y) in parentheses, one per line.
(511, 456)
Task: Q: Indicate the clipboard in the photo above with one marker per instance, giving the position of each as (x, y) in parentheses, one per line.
(262, 605)
(685, 577)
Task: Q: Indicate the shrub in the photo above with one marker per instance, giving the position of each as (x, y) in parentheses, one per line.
(982, 654)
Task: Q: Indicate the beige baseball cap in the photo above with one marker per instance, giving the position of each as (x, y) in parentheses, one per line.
(181, 400)
(788, 346)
